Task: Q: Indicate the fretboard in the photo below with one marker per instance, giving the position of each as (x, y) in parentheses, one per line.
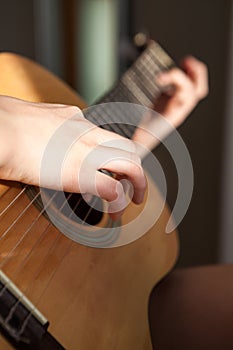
(137, 86)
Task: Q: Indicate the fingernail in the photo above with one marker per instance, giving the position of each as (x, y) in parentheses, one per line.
(140, 198)
(116, 216)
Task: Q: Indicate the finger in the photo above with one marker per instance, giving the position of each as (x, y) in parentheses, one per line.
(123, 163)
(109, 189)
(174, 77)
(198, 73)
(113, 192)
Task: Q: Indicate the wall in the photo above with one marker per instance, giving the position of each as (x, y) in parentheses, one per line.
(16, 27)
(226, 239)
(200, 28)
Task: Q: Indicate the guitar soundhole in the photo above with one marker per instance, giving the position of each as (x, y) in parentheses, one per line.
(69, 206)
(85, 212)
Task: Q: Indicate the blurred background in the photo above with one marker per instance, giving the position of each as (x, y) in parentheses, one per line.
(87, 43)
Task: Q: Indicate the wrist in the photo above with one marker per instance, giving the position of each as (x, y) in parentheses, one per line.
(7, 141)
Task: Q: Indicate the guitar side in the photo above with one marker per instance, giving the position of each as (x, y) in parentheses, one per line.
(97, 297)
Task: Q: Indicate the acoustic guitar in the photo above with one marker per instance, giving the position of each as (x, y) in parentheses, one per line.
(59, 294)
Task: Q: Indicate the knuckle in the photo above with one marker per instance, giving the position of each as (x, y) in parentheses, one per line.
(174, 70)
(173, 73)
(135, 158)
(75, 110)
(137, 170)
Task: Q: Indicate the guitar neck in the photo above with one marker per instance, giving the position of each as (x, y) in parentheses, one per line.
(137, 86)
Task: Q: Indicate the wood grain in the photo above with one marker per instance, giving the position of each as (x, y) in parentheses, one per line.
(93, 298)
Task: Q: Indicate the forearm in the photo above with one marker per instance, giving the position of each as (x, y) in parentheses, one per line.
(153, 129)
(7, 139)
(74, 151)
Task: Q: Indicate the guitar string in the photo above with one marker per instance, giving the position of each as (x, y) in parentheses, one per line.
(22, 264)
(88, 213)
(51, 277)
(5, 192)
(112, 126)
(36, 274)
(146, 68)
(13, 201)
(61, 260)
(123, 129)
(22, 213)
(151, 88)
(46, 229)
(52, 247)
(105, 112)
(149, 67)
(33, 222)
(40, 213)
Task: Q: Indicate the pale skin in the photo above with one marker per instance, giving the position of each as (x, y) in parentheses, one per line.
(26, 128)
(190, 85)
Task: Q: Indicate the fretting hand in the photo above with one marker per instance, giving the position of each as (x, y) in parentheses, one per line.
(189, 85)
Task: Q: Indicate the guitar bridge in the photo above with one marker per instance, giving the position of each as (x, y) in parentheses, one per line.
(20, 321)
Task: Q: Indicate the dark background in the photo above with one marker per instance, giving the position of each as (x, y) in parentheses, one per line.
(200, 28)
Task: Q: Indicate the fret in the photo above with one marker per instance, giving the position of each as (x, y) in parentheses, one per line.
(148, 66)
(103, 118)
(130, 80)
(149, 89)
(113, 118)
(120, 93)
(148, 63)
(161, 56)
(137, 86)
(141, 98)
(149, 71)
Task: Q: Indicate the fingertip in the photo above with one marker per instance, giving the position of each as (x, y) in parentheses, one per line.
(188, 57)
(186, 62)
(162, 78)
(139, 198)
(191, 62)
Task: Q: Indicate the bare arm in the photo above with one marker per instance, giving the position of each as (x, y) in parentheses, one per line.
(26, 130)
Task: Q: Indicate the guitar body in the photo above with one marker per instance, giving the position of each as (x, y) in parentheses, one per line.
(93, 298)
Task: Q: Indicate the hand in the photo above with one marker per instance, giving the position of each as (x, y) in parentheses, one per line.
(25, 132)
(188, 87)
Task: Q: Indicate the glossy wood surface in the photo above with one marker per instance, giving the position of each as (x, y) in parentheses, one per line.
(93, 298)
